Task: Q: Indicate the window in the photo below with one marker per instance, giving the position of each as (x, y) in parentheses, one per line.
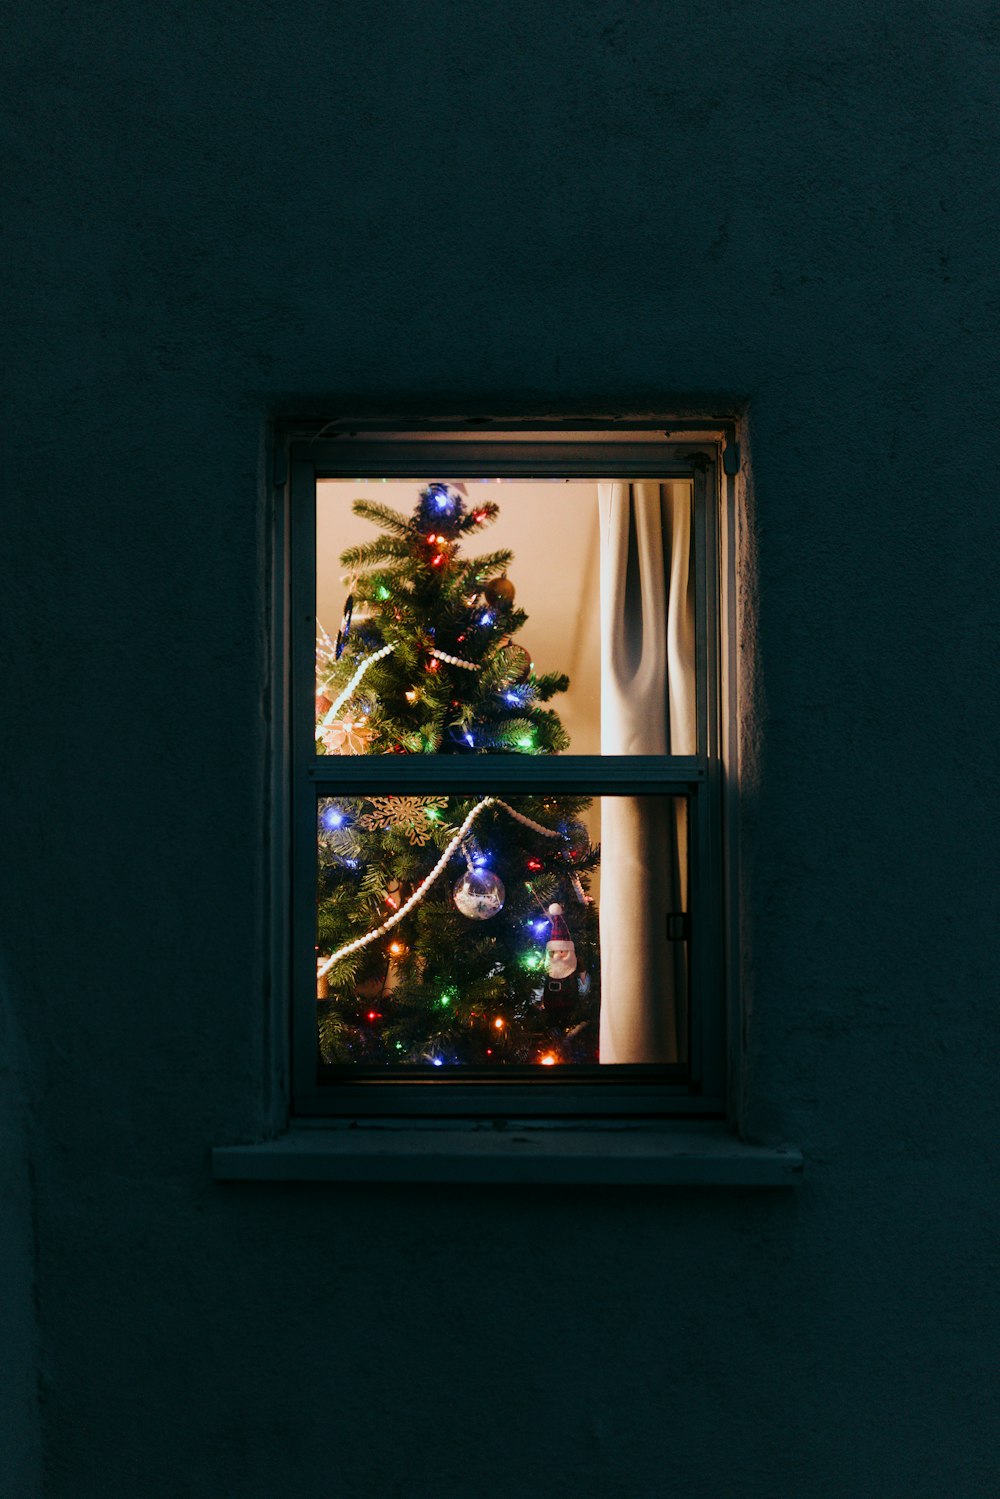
(509, 709)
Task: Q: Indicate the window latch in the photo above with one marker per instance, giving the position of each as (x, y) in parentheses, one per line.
(678, 926)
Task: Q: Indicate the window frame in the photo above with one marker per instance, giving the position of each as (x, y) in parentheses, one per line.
(659, 449)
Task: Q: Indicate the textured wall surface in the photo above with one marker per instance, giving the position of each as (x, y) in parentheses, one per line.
(20, 1428)
(221, 210)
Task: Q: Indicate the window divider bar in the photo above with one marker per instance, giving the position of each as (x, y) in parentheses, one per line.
(599, 775)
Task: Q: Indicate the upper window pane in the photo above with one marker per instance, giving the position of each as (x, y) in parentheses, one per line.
(508, 616)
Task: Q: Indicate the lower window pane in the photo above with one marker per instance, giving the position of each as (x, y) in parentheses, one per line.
(459, 934)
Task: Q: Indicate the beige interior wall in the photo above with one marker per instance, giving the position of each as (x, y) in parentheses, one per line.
(551, 527)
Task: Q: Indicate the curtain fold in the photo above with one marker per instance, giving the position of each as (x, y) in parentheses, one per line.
(648, 707)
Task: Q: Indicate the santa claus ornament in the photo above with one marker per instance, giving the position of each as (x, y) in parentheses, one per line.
(561, 989)
(560, 954)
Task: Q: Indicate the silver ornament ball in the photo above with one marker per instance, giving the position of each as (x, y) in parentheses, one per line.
(479, 894)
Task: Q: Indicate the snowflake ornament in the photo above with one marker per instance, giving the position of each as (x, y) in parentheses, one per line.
(411, 815)
(346, 736)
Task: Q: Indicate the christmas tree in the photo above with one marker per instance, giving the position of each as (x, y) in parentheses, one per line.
(452, 930)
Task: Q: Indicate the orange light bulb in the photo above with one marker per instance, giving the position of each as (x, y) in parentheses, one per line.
(548, 1060)
(498, 1022)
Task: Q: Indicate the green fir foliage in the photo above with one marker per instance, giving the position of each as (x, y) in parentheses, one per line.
(443, 989)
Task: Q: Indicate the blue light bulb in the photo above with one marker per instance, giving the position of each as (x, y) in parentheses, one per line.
(486, 619)
(334, 818)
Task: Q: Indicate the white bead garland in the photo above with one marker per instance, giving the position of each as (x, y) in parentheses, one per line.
(386, 650)
(455, 660)
(323, 967)
(415, 898)
(339, 702)
(535, 827)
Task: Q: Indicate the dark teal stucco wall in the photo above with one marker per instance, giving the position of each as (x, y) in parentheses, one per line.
(219, 211)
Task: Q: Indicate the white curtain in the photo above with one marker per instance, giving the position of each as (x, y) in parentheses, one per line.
(647, 708)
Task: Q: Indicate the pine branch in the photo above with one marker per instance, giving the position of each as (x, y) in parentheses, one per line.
(549, 684)
(481, 568)
(548, 725)
(488, 512)
(384, 516)
(504, 665)
(511, 730)
(343, 974)
(371, 552)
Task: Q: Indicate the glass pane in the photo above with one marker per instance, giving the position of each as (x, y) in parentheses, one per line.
(504, 616)
(486, 933)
